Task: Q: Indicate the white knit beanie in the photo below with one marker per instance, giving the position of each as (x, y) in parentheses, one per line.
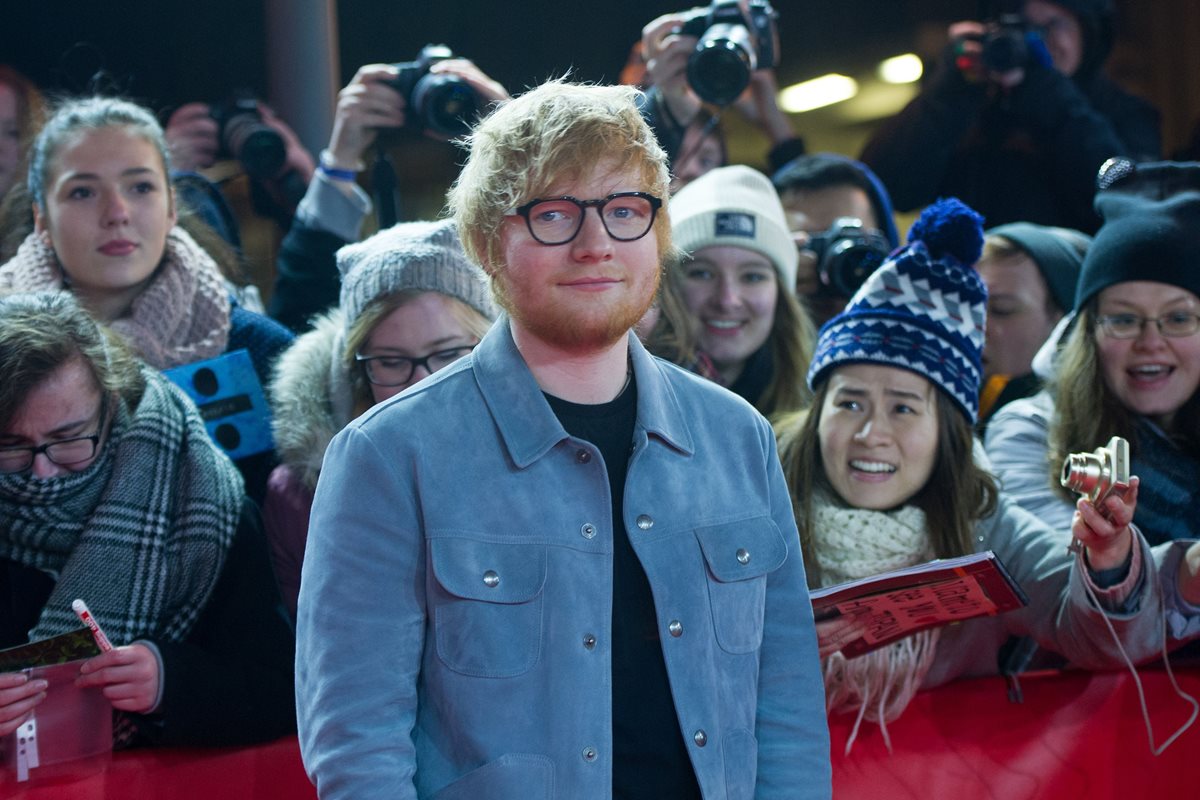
(418, 256)
(735, 206)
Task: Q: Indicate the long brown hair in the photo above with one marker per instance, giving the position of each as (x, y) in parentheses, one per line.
(1086, 412)
(792, 340)
(958, 493)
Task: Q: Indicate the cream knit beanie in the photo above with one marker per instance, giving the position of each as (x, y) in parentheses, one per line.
(735, 206)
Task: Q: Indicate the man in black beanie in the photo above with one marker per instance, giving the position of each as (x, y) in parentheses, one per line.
(1018, 141)
(1030, 271)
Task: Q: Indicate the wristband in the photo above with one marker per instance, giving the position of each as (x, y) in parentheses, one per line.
(347, 175)
(327, 168)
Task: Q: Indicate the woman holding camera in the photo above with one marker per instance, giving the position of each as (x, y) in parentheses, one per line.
(729, 308)
(112, 492)
(106, 229)
(1130, 365)
(883, 475)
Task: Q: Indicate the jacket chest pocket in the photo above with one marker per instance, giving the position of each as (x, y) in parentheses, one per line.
(487, 604)
(739, 557)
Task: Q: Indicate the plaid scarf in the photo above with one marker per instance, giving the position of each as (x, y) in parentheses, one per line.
(141, 534)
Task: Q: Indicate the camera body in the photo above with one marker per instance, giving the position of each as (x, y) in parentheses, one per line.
(1006, 43)
(243, 135)
(718, 70)
(1098, 474)
(847, 253)
(444, 104)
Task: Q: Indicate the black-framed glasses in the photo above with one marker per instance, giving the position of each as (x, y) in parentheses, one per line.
(389, 370)
(1175, 324)
(64, 452)
(627, 216)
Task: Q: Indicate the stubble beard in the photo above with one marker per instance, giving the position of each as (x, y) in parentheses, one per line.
(573, 329)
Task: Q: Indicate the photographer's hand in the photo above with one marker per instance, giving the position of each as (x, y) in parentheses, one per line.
(364, 106)
(191, 135)
(1105, 531)
(298, 159)
(666, 52)
(491, 90)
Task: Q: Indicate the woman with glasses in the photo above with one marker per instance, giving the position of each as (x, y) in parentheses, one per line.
(729, 308)
(112, 492)
(1130, 366)
(411, 304)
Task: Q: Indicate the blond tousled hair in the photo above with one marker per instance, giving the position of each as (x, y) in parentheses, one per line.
(555, 132)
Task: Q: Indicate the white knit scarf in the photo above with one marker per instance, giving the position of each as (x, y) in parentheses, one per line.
(182, 316)
(852, 543)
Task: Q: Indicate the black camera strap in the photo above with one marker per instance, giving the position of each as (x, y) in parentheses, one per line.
(383, 189)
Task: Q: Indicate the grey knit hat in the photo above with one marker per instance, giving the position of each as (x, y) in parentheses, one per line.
(415, 256)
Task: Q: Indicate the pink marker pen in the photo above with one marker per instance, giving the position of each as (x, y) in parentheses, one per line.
(81, 610)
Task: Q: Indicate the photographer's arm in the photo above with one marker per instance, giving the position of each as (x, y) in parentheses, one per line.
(912, 151)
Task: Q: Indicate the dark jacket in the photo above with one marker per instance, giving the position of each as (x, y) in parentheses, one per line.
(231, 681)
(1031, 153)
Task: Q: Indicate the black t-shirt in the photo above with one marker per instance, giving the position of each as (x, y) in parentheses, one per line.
(650, 758)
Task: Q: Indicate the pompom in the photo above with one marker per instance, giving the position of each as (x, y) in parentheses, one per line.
(950, 227)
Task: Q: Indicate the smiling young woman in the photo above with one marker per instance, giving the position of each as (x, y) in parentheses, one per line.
(883, 475)
(729, 307)
(1130, 365)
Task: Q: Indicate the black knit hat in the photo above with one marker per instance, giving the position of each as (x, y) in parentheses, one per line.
(1151, 229)
(1056, 252)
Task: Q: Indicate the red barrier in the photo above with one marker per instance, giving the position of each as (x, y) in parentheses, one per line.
(1075, 736)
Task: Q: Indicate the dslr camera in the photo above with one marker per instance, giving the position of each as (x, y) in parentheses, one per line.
(718, 70)
(1006, 43)
(847, 254)
(244, 136)
(1098, 474)
(444, 104)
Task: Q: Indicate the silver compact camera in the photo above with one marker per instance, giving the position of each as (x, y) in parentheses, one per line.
(1098, 474)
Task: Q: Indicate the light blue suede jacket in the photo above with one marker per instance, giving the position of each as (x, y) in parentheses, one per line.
(453, 638)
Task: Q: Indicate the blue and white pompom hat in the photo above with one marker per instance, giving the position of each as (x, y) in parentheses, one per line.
(923, 310)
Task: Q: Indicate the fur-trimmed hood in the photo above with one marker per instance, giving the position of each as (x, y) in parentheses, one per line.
(310, 396)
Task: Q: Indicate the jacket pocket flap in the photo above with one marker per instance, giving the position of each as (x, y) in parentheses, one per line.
(489, 571)
(738, 551)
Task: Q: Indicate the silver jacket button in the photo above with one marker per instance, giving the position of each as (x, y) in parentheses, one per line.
(645, 522)
(743, 556)
(589, 754)
(700, 738)
(583, 456)
(589, 641)
(491, 579)
(675, 628)
(588, 530)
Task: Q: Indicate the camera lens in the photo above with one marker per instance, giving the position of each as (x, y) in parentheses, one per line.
(1082, 473)
(718, 70)
(446, 104)
(1005, 50)
(849, 263)
(258, 146)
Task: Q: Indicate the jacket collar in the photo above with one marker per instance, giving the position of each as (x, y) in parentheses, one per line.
(526, 422)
